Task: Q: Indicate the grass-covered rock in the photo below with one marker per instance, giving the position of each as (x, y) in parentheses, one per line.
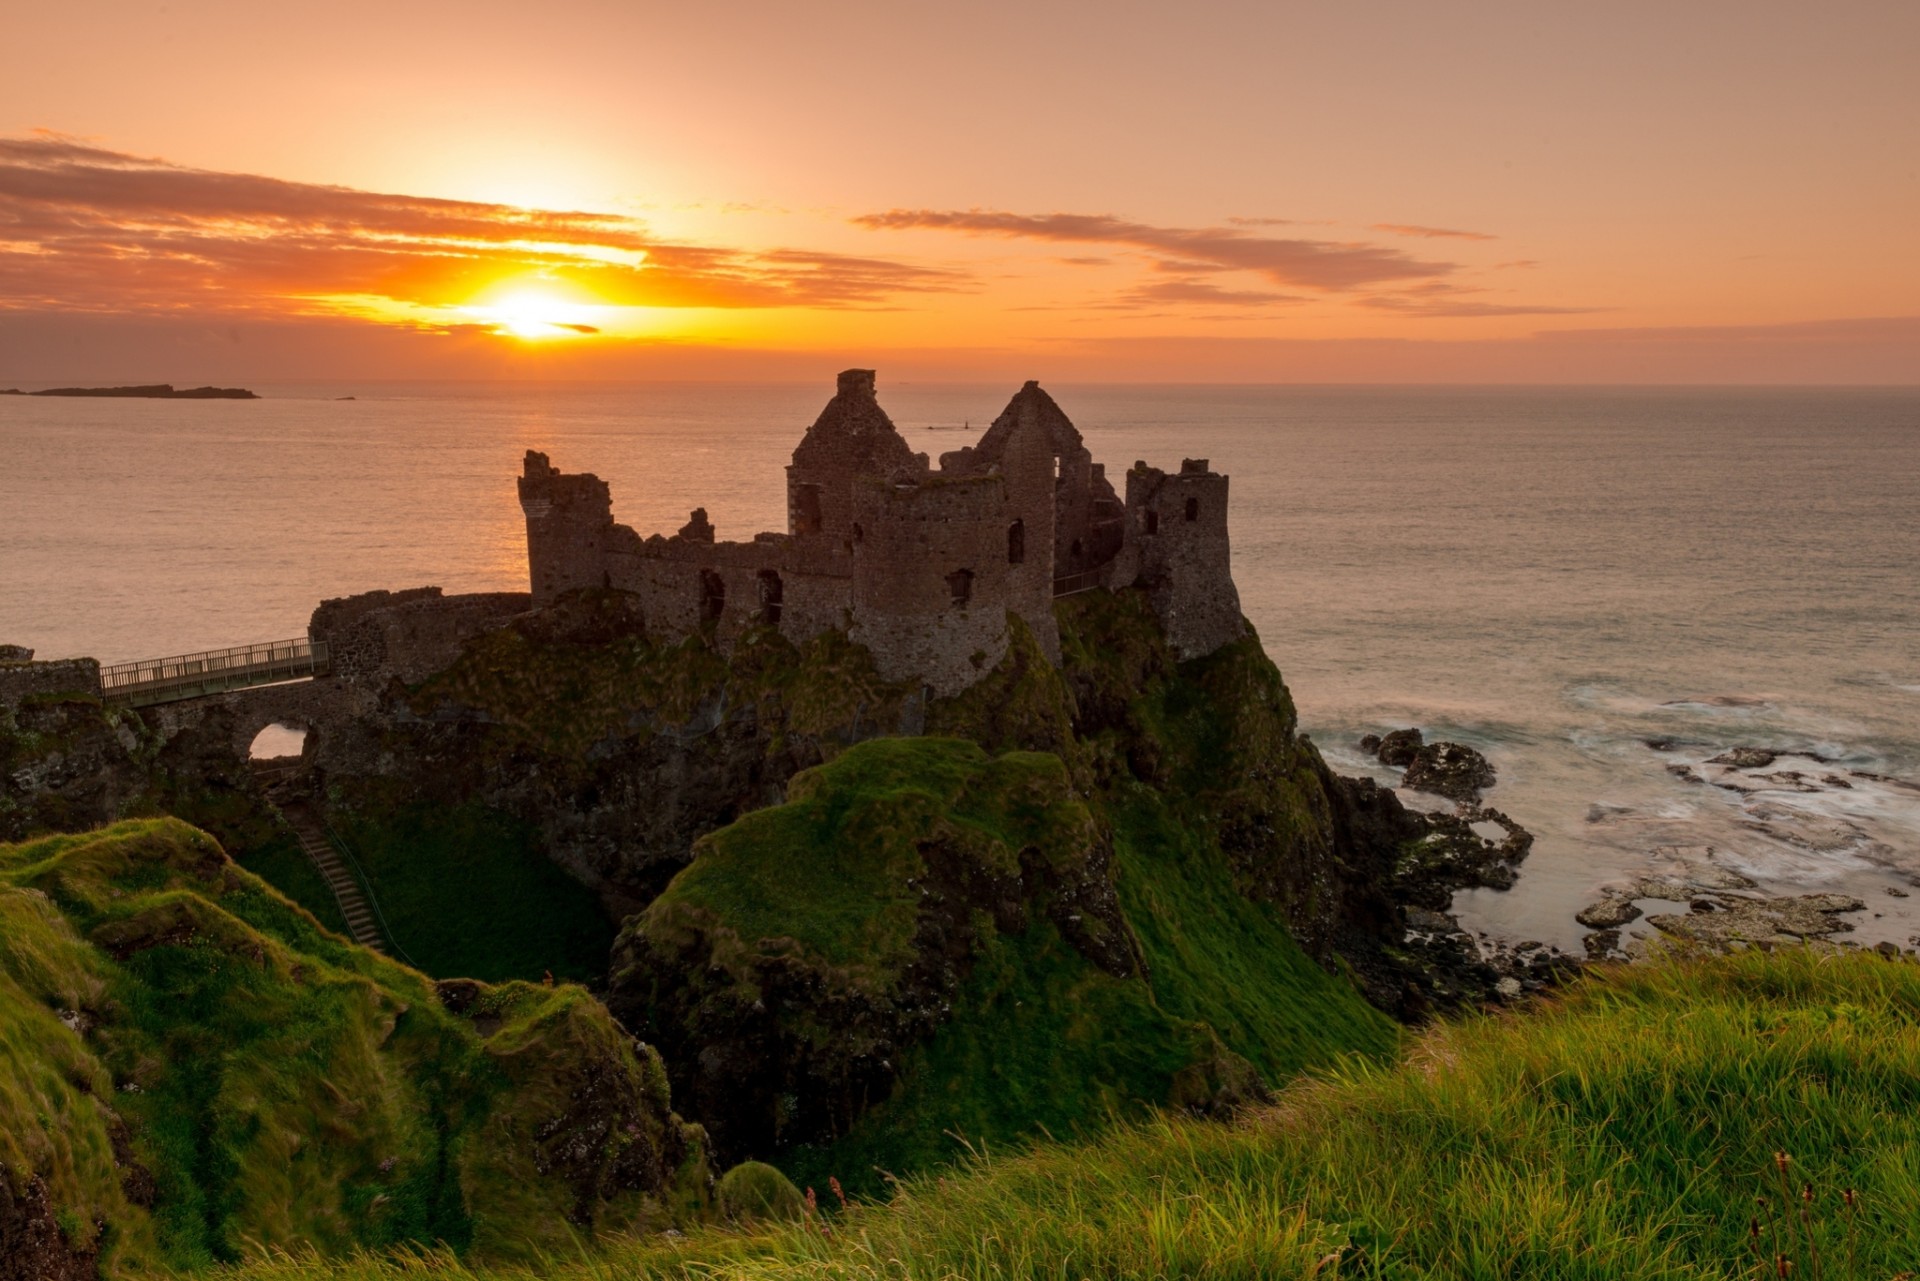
(1631, 1127)
(755, 1192)
(190, 1067)
(1077, 906)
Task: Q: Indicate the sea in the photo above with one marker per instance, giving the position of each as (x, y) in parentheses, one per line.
(1601, 589)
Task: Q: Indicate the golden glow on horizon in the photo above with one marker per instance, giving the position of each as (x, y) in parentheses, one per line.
(537, 315)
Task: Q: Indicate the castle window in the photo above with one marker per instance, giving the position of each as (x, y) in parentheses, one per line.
(1078, 551)
(771, 590)
(713, 596)
(1193, 510)
(1017, 543)
(1153, 522)
(960, 583)
(806, 509)
(859, 534)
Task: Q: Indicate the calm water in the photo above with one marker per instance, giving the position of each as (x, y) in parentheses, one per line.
(1550, 575)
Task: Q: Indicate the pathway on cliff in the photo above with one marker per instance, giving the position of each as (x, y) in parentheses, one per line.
(310, 829)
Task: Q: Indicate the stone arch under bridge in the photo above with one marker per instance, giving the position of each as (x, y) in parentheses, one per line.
(233, 720)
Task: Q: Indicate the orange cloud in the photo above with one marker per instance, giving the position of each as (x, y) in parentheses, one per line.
(1443, 298)
(1430, 233)
(1311, 264)
(87, 229)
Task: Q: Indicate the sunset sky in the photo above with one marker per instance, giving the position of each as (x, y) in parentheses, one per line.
(1719, 192)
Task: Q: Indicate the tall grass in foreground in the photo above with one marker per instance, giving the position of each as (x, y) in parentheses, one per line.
(1627, 1129)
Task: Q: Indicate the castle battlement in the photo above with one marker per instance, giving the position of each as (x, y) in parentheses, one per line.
(922, 565)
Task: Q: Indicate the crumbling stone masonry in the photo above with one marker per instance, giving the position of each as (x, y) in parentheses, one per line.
(921, 565)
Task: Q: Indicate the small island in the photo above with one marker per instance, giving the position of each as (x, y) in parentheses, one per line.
(154, 391)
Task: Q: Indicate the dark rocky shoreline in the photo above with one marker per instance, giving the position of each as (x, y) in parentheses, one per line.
(149, 391)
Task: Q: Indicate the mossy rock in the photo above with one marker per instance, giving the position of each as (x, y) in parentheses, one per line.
(191, 1067)
(755, 1192)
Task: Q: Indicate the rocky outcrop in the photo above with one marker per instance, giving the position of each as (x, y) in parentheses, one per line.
(1452, 770)
(883, 877)
(33, 1246)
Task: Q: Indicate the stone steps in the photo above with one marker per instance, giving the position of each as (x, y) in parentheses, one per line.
(308, 830)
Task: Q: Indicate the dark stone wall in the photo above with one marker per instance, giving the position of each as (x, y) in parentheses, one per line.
(907, 606)
(569, 528)
(1177, 532)
(19, 681)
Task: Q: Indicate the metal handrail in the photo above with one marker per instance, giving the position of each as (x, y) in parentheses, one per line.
(341, 847)
(216, 669)
(1085, 580)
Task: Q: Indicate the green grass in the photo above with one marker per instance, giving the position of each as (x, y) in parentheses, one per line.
(1623, 1130)
(468, 892)
(163, 1010)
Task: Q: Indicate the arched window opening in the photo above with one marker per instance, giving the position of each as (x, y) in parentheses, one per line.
(1077, 552)
(960, 583)
(806, 510)
(1193, 510)
(713, 596)
(1153, 522)
(771, 590)
(1017, 543)
(278, 741)
(859, 534)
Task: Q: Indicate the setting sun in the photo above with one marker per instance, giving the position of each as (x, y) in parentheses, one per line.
(532, 314)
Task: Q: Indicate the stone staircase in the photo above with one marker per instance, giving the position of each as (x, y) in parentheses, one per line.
(311, 832)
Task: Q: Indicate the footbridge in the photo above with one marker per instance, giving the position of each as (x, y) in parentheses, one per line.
(216, 671)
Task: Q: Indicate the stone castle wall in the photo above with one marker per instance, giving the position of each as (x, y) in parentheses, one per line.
(930, 578)
(410, 634)
(1176, 531)
(876, 541)
(20, 681)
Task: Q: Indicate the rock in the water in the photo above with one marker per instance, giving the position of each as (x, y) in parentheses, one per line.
(1744, 758)
(1370, 744)
(1399, 747)
(1601, 943)
(1452, 770)
(1748, 921)
(1685, 773)
(1691, 864)
(1610, 912)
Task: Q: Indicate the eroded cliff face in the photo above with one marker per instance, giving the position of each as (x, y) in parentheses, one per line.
(886, 958)
(1175, 905)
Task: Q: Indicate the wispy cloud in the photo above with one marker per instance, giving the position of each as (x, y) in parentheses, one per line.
(1444, 298)
(1429, 233)
(83, 228)
(1292, 263)
(1201, 291)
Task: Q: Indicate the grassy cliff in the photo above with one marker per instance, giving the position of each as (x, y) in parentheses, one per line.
(190, 1067)
(1627, 1128)
(1077, 904)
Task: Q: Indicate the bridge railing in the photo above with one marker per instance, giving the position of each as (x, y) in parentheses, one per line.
(161, 680)
(1084, 581)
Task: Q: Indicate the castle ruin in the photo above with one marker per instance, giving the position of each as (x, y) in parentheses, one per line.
(922, 565)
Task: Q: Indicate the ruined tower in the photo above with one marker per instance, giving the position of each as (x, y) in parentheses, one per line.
(569, 528)
(1176, 541)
